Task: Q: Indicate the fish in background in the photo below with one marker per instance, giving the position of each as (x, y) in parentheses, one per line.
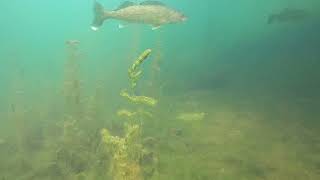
(288, 15)
(154, 13)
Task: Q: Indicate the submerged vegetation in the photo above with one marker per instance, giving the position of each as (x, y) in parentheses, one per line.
(228, 91)
(70, 133)
(73, 143)
(130, 159)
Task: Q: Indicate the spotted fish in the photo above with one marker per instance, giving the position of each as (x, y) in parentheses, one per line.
(153, 13)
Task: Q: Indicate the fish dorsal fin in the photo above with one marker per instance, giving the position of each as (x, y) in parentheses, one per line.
(150, 2)
(125, 4)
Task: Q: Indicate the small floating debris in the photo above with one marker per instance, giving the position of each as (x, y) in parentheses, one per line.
(191, 116)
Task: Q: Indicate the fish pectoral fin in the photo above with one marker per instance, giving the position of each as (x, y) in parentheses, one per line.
(155, 27)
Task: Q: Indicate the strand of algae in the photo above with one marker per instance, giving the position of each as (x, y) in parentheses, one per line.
(72, 94)
(126, 153)
(134, 74)
(130, 160)
(139, 99)
(72, 83)
(129, 114)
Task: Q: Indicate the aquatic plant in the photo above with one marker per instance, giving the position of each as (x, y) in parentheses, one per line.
(130, 159)
(125, 153)
(74, 149)
(72, 84)
(138, 99)
(134, 72)
(72, 97)
(129, 114)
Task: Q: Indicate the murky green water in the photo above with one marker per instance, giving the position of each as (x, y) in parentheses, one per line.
(230, 93)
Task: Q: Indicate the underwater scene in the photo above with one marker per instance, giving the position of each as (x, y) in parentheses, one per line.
(160, 90)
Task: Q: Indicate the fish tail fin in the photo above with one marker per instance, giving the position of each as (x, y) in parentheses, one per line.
(99, 16)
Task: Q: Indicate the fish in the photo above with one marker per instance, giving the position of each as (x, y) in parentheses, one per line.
(288, 15)
(152, 13)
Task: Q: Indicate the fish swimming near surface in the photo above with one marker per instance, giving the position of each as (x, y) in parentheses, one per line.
(154, 13)
(288, 15)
